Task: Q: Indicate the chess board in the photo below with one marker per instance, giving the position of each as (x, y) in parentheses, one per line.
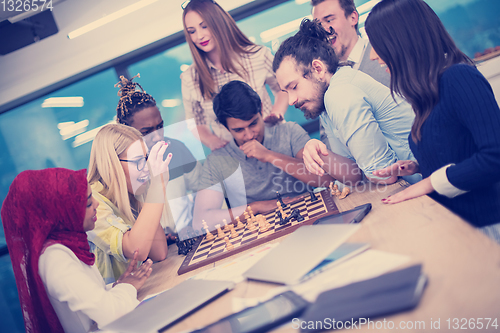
(205, 251)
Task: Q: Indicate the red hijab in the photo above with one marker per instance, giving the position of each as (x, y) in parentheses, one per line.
(43, 207)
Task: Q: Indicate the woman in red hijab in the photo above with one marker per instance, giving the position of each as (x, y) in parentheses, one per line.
(45, 216)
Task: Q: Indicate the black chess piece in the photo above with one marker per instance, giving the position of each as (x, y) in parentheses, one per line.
(280, 217)
(285, 220)
(296, 215)
(181, 247)
(280, 200)
(313, 196)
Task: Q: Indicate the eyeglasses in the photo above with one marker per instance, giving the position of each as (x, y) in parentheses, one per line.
(186, 3)
(140, 163)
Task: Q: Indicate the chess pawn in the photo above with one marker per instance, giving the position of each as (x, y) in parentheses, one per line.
(239, 225)
(283, 213)
(226, 227)
(250, 211)
(209, 235)
(220, 233)
(233, 232)
(246, 216)
(345, 193)
(229, 245)
(255, 222)
(262, 223)
(250, 225)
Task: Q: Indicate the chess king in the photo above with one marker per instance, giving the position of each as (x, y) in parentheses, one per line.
(258, 162)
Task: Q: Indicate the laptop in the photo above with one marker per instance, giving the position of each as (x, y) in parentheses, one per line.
(298, 254)
(167, 308)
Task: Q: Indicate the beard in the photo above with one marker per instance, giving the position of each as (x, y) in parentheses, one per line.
(343, 51)
(317, 101)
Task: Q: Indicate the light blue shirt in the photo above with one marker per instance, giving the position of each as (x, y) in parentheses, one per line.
(364, 123)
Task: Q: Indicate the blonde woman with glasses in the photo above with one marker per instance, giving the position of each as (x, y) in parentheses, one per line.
(222, 53)
(129, 184)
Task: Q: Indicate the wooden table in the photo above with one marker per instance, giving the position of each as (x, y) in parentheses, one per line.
(462, 264)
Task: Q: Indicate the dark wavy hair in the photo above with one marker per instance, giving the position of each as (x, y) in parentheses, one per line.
(236, 99)
(132, 100)
(411, 39)
(311, 42)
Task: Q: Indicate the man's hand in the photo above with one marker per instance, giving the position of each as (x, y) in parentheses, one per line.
(267, 205)
(273, 118)
(312, 160)
(400, 168)
(256, 150)
(423, 187)
(214, 142)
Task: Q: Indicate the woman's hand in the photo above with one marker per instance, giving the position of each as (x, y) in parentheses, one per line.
(423, 187)
(158, 166)
(134, 275)
(312, 160)
(400, 168)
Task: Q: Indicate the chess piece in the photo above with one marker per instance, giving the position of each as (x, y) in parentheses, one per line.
(239, 225)
(280, 200)
(209, 235)
(280, 217)
(252, 217)
(336, 190)
(229, 245)
(246, 216)
(296, 215)
(250, 225)
(280, 208)
(313, 196)
(232, 231)
(285, 220)
(285, 215)
(226, 227)
(220, 233)
(263, 227)
(345, 193)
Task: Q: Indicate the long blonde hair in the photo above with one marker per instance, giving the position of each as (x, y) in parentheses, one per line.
(228, 38)
(105, 167)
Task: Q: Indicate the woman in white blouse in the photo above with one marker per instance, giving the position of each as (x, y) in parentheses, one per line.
(45, 216)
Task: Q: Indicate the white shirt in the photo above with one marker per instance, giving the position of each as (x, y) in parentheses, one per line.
(77, 291)
(358, 52)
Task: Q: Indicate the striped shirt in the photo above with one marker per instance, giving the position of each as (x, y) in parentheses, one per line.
(258, 65)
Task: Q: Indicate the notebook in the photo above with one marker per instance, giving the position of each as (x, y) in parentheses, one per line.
(300, 253)
(168, 307)
(377, 297)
